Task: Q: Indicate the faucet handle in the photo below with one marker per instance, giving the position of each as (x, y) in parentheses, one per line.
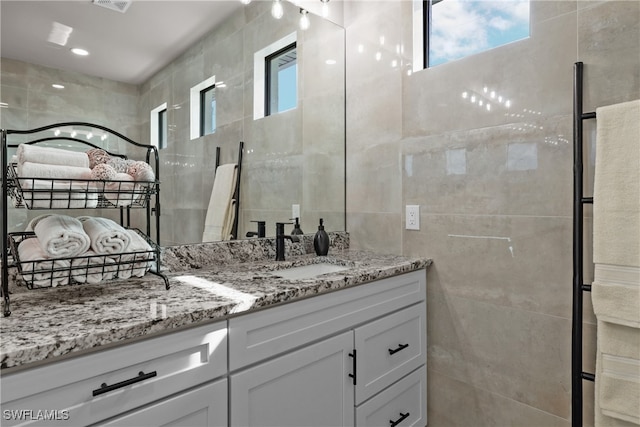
(261, 230)
(280, 227)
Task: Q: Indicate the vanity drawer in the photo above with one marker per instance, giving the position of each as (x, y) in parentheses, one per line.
(390, 348)
(266, 333)
(72, 391)
(205, 406)
(403, 404)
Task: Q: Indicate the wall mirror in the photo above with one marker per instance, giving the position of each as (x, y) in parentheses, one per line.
(293, 157)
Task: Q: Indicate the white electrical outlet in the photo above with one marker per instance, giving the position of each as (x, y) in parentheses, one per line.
(412, 217)
(295, 211)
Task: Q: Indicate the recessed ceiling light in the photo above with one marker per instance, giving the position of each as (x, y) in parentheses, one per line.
(57, 86)
(80, 52)
(330, 62)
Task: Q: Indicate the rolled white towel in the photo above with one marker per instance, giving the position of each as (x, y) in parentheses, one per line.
(38, 269)
(61, 236)
(42, 170)
(138, 259)
(34, 221)
(93, 268)
(51, 156)
(59, 194)
(107, 236)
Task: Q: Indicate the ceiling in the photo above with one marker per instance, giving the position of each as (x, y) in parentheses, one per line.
(127, 47)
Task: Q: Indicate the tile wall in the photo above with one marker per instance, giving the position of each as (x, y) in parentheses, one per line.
(495, 193)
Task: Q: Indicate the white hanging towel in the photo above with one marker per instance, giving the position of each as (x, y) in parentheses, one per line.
(220, 212)
(616, 254)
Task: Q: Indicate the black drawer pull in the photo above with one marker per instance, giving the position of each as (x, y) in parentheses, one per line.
(104, 388)
(399, 420)
(400, 347)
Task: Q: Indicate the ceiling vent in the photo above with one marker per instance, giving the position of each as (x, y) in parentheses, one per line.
(117, 5)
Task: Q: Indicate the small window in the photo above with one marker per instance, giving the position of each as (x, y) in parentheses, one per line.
(162, 129)
(159, 126)
(275, 75)
(281, 80)
(453, 29)
(203, 108)
(208, 111)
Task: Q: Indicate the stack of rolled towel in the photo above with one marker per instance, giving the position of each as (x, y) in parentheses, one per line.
(56, 178)
(58, 171)
(85, 249)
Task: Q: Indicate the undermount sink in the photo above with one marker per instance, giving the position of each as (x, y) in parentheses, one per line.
(308, 271)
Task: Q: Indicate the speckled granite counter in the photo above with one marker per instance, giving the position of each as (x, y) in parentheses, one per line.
(48, 323)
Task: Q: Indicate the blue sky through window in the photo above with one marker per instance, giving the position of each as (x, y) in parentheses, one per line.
(464, 27)
(287, 88)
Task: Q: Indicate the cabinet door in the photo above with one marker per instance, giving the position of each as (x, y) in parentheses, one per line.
(204, 406)
(307, 387)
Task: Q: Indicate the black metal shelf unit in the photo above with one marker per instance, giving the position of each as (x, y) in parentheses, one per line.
(50, 193)
(579, 287)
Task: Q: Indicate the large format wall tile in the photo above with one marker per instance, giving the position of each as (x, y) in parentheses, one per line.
(378, 232)
(608, 39)
(454, 403)
(517, 354)
(516, 169)
(490, 259)
(374, 179)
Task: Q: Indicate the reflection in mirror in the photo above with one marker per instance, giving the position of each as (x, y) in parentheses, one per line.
(292, 157)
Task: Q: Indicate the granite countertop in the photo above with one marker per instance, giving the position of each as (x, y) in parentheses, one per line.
(48, 323)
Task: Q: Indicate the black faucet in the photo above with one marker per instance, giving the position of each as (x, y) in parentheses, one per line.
(280, 236)
(261, 230)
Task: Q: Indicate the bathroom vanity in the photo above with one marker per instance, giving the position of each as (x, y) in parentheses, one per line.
(338, 340)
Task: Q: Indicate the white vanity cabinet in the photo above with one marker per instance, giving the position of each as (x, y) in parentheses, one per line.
(351, 357)
(356, 356)
(92, 388)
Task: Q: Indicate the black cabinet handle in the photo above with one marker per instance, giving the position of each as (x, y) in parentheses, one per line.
(353, 355)
(399, 420)
(400, 347)
(104, 388)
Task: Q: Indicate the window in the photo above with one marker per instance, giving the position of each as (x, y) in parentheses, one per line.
(208, 111)
(275, 77)
(453, 29)
(203, 108)
(162, 129)
(159, 126)
(281, 80)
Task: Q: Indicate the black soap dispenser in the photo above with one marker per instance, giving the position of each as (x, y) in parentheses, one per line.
(296, 228)
(321, 241)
